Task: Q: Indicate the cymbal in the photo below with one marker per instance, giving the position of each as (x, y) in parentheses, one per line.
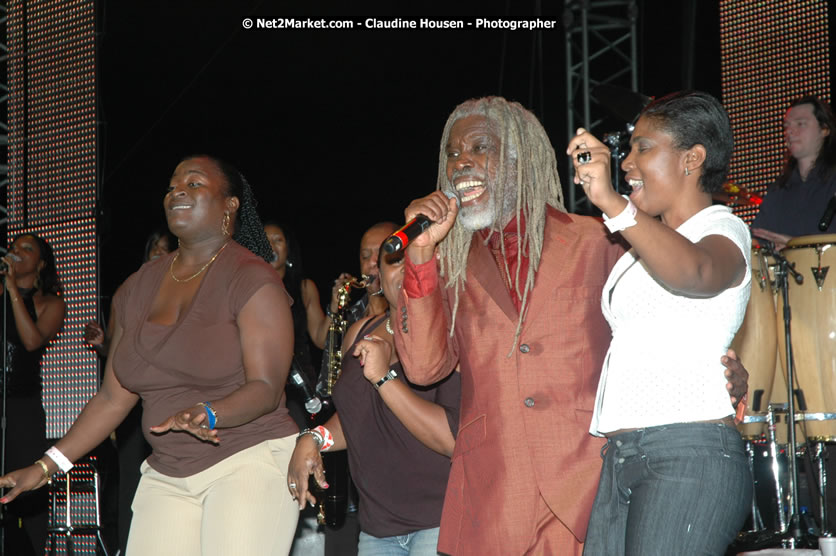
(623, 103)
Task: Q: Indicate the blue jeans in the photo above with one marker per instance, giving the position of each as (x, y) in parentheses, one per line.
(683, 488)
(419, 543)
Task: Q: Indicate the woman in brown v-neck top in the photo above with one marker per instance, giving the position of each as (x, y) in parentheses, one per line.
(204, 336)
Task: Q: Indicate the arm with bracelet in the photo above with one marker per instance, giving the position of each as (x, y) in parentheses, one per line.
(425, 420)
(698, 269)
(266, 336)
(307, 460)
(703, 268)
(98, 419)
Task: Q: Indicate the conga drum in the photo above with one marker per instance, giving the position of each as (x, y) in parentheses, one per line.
(813, 327)
(755, 343)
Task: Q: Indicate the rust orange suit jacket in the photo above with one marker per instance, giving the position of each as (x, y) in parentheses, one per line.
(525, 418)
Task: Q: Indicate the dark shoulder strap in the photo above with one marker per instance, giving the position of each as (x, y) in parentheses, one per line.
(371, 323)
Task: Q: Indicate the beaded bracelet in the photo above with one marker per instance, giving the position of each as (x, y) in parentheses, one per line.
(316, 436)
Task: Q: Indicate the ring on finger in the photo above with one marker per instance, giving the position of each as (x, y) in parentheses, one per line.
(291, 485)
(584, 157)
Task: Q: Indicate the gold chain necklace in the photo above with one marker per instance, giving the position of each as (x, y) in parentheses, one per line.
(196, 274)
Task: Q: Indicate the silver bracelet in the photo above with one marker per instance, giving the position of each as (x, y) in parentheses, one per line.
(391, 375)
(316, 436)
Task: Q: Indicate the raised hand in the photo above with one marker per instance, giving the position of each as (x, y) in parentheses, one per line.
(442, 212)
(374, 354)
(591, 159)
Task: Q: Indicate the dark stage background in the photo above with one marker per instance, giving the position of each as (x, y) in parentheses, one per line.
(336, 129)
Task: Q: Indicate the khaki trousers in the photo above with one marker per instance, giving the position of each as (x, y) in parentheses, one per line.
(239, 506)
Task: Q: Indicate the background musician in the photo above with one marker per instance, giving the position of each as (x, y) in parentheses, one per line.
(343, 540)
(372, 302)
(306, 310)
(308, 317)
(794, 206)
(399, 436)
(35, 313)
(799, 197)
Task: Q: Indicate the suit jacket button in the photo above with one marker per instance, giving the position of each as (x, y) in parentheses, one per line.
(524, 348)
(529, 402)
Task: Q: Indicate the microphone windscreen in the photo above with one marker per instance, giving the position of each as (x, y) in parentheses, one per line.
(451, 195)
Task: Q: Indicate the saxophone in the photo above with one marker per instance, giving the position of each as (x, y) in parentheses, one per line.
(336, 331)
(333, 502)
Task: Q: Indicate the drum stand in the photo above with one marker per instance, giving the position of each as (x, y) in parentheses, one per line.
(792, 534)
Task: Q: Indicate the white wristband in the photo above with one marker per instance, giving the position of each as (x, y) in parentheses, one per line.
(60, 459)
(624, 220)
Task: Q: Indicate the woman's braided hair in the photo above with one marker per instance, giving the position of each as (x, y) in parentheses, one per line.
(249, 231)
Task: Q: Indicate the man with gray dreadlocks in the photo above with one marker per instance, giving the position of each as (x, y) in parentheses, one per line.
(519, 311)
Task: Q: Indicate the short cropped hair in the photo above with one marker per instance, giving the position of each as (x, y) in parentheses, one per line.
(697, 118)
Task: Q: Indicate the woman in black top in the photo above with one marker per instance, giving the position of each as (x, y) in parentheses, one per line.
(34, 315)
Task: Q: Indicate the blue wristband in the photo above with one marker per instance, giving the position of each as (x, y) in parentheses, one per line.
(210, 414)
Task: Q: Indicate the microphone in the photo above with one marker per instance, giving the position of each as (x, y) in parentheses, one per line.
(297, 379)
(827, 217)
(401, 238)
(4, 266)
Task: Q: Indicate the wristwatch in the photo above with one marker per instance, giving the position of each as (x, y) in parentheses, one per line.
(386, 378)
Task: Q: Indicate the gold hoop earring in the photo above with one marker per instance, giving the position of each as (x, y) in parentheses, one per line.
(225, 224)
(37, 282)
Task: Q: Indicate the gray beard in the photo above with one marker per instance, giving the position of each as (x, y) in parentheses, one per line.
(473, 218)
